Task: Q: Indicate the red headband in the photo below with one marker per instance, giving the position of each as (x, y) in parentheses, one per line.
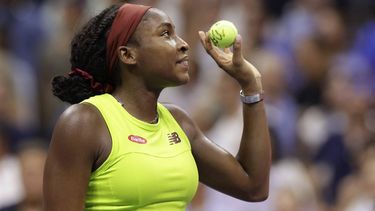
(124, 25)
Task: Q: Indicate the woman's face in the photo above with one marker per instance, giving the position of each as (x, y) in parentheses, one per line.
(161, 55)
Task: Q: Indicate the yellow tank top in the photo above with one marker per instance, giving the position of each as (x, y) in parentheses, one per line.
(150, 166)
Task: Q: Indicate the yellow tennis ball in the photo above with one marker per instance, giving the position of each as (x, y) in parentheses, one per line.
(223, 33)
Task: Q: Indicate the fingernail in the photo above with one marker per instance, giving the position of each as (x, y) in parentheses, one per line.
(238, 38)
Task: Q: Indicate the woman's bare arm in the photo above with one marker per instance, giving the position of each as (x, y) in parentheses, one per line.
(74, 149)
(247, 176)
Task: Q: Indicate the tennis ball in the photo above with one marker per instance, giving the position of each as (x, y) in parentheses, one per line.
(223, 33)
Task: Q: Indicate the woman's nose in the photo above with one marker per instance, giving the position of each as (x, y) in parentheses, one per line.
(182, 45)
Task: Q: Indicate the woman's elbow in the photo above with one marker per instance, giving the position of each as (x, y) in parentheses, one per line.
(254, 192)
(257, 197)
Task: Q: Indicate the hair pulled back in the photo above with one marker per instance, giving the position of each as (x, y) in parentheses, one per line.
(88, 53)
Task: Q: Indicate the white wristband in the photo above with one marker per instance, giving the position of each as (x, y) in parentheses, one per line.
(251, 99)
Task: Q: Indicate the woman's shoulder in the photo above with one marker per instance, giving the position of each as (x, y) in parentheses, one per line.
(183, 119)
(80, 125)
(78, 114)
(177, 112)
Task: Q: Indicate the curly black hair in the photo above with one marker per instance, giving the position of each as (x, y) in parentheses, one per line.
(88, 53)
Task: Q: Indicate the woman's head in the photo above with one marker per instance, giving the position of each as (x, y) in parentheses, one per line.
(120, 38)
(158, 55)
(88, 53)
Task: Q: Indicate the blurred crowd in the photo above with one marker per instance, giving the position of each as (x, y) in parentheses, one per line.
(317, 60)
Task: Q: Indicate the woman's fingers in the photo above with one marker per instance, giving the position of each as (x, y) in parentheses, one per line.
(237, 51)
(225, 58)
(202, 38)
(205, 40)
(212, 50)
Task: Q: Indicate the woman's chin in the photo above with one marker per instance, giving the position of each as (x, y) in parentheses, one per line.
(185, 79)
(180, 81)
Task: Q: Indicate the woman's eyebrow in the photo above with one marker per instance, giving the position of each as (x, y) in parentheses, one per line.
(166, 24)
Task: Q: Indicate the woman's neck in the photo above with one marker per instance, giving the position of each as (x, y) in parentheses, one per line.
(139, 102)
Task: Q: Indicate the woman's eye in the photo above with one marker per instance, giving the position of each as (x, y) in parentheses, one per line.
(165, 33)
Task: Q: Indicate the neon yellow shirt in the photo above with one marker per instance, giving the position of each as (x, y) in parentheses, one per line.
(150, 166)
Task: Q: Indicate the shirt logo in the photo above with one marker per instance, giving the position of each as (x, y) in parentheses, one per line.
(137, 139)
(173, 138)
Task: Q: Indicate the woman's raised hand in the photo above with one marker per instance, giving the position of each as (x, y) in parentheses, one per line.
(234, 63)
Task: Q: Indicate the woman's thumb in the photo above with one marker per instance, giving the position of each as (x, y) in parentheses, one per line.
(237, 50)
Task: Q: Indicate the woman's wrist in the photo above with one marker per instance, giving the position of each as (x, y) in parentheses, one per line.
(252, 87)
(251, 82)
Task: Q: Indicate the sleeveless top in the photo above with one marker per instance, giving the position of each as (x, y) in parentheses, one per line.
(150, 166)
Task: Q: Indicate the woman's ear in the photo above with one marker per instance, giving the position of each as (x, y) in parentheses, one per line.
(127, 55)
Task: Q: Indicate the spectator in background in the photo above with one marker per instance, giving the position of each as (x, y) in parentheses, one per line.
(314, 53)
(11, 190)
(18, 102)
(8, 111)
(311, 61)
(226, 132)
(357, 191)
(291, 187)
(32, 155)
(25, 29)
(280, 104)
(64, 18)
(364, 41)
(335, 132)
(257, 25)
(17, 58)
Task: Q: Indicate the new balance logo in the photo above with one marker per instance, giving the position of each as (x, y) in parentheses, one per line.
(173, 138)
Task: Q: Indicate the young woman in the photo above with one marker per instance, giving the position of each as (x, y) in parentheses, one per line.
(117, 148)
